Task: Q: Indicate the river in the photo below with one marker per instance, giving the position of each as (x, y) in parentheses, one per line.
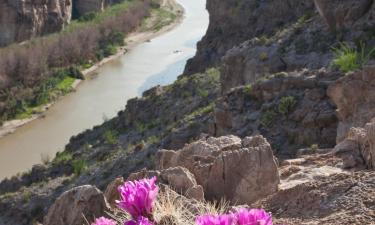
(104, 94)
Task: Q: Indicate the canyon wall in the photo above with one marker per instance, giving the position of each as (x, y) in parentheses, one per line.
(23, 19)
(233, 22)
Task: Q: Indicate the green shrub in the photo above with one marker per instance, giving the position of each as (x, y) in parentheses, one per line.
(247, 89)
(267, 118)
(26, 196)
(109, 50)
(79, 166)
(87, 17)
(110, 137)
(63, 157)
(287, 104)
(348, 58)
(314, 147)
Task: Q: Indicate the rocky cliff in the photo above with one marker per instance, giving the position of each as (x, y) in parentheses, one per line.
(23, 19)
(233, 22)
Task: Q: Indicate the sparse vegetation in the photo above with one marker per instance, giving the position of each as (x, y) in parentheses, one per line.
(348, 58)
(247, 89)
(314, 147)
(287, 104)
(79, 166)
(63, 157)
(110, 137)
(267, 118)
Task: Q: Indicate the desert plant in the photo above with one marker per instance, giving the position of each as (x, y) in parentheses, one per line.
(287, 104)
(79, 166)
(348, 58)
(63, 157)
(110, 137)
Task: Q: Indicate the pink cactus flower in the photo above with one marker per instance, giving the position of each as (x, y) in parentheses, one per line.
(252, 217)
(215, 220)
(138, 197)
(104, 221)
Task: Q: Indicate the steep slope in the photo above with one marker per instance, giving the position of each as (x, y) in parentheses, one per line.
(119, 147)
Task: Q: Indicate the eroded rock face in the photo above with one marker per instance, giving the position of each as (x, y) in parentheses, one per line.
(72, 205)
(23, 19)
(340, 14)
(233, 22)
(354, 97)
(241, 171)
(309, 119)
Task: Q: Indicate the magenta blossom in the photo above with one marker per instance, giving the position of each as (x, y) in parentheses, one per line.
(137, 197)
(104, 221)
(140, 221)
(252, 217)
(214, 220)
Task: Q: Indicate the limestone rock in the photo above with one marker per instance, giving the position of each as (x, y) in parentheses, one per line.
(72, 205)
(177, 178)
(24, 19)
(240, 171)
(358, 149)
(254, 109)
(354, 97)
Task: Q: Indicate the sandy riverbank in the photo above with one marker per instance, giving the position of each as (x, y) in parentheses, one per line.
(133, 39)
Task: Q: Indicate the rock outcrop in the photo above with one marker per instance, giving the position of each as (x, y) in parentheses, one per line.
(354, 97)
(358, 148)
(240, 171)
(292, 110)
(23, 19)
(73, 206)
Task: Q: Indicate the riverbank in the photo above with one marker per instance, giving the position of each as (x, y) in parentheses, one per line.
(143, 34)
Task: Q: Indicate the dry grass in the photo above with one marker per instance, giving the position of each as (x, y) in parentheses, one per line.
(173, 209)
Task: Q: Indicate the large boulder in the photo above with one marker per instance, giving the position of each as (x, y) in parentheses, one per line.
(73, 206)
(354, 97)
(177, 178)
(241, 171)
